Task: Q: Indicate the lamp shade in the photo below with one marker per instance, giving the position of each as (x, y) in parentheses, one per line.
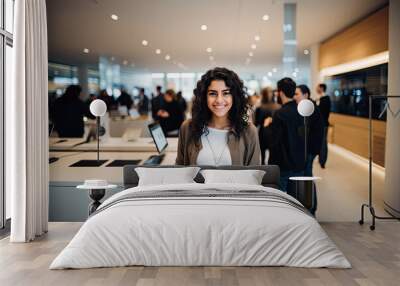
(98, 107)
(305, 107)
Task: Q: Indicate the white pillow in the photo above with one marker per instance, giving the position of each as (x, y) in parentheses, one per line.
(248, 177)
(164, 176)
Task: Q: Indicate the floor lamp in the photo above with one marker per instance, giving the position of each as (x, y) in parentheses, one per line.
(304, 186)
(305, 108)
(98, 108)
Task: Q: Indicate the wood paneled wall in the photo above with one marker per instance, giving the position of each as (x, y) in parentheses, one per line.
(351, 133)
(363, 39)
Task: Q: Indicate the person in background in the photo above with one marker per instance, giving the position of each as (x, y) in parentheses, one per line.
(276, 98)
(92, 97)
(264, 111)
(170, 115)
(182, 102)
(156, 103)
(109, 100)
(143, 104)
(253, 101)
(125, 99)
(69, 111)
(285, 136)
(219, 132)
(324, 103)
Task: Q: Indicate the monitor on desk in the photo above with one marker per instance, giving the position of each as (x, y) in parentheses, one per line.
(158, 137)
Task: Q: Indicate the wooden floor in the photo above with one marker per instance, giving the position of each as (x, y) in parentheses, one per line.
(375, 257)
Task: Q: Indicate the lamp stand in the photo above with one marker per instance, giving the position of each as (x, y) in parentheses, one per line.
(305, 140)
(98, 138)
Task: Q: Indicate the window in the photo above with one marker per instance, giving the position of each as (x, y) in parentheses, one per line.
(6, 65)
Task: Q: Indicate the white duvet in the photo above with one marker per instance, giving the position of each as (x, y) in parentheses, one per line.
(200, 231)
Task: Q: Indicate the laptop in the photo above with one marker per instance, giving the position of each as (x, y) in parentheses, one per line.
(161, 144)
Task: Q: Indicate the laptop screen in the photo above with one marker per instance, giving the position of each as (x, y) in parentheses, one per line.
(158, 137)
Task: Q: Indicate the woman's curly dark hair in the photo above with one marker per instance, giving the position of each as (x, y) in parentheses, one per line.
(201, 114)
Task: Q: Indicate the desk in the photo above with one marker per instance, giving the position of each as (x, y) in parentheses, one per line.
(66, 203)
(111, 144)
(56, 143)
(61, 172)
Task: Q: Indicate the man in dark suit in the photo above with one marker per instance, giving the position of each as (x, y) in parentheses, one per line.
(324, 103)
(156, 103)
(285, 132)
(69, 111)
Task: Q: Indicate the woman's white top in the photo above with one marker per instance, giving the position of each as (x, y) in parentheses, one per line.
(215, 149)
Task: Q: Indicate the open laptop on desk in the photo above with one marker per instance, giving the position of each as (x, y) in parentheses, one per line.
(161, 144)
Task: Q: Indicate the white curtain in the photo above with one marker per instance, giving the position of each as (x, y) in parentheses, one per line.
(27, 124)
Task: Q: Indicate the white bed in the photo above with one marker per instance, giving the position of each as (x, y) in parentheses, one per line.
(185, 230)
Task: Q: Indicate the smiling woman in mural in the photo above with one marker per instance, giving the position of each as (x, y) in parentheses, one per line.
(219, 132)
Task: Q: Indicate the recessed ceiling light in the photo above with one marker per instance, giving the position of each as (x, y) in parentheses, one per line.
(265, 17)
(306, 52)
(167, 57)
(158, 51)
(203, 27)
(125, 62)
(114, 17)
(294, 74)
(269, 74)
(250, 54)
(211, 58)
(254, 46)
(145, 43)
(274, 69)
(209, 50)
(86, 50)
(257, 38)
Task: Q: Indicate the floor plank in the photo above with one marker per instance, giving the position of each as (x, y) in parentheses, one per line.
(375, 257)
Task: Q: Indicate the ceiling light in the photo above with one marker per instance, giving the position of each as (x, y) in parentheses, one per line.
(86, 50)
(269, 74)
(250, 54)
(211, 58)
(265, 17)
(125, 62)
(264, 78)
(203, 27)
(257, 38)
(145, 43)
(167, 57)
(158, 51)
(209, 50)
(306, 52)
(114, 17)
(254, 46)
(274, 69)
(294, 74)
